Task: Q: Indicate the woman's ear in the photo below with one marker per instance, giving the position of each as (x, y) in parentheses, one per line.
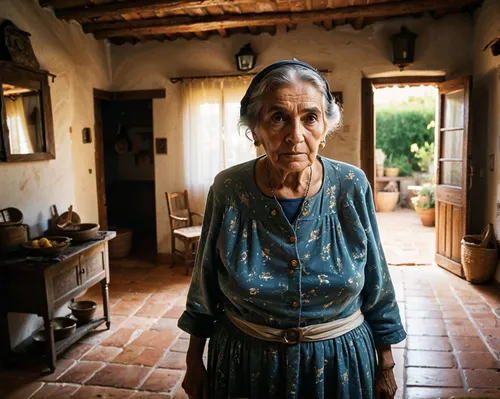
(256, 141)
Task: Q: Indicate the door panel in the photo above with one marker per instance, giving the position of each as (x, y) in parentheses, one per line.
(452, 182)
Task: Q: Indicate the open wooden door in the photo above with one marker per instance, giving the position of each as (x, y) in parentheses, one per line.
(99, 165)
(368, 131)
(454, 176)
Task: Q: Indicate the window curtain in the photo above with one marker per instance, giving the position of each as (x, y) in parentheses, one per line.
(212, 140)
(22, 139)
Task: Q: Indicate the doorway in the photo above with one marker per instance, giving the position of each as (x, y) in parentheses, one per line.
(391, 143)
(126, 172)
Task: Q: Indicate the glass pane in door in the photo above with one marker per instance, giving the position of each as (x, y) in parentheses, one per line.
(453, 113)
(451, 173)
(452, 144)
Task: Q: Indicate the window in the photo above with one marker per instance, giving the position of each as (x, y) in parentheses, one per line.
(212, 140)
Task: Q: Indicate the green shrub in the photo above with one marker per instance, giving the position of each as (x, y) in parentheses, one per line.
(397, 129)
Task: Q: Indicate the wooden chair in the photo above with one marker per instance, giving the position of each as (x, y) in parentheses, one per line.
(182, 227)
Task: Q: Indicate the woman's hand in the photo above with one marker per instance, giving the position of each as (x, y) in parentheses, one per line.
(385, 387)
(196, 383)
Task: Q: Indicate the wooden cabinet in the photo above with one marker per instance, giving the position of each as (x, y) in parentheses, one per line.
(29, 286)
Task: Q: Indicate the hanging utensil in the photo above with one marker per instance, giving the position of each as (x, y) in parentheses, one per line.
(122, 141)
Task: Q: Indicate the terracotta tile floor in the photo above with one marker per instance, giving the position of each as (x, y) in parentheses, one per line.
(453, 346)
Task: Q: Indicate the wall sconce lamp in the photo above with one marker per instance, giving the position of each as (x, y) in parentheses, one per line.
(245, 58)
(403, 48)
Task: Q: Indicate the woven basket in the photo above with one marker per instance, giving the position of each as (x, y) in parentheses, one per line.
(121, 245)
(13, 237)
(480, 256)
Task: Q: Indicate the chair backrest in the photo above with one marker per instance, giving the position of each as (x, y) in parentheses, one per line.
(178, 205)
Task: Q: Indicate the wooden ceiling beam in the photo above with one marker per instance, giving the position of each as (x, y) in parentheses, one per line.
(202, 35)
(358, 23)
(223, 32)
(183, 24)
(63, 3)
(328, 24)
(134, 6)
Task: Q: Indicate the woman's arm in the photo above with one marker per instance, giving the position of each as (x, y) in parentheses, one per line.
(204, 298)
(385, 358)
(195, 350)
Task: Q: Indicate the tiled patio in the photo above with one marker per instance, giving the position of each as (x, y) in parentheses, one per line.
(406, 241)
(453, 345)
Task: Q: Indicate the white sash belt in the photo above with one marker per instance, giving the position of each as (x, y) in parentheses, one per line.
(315, 332)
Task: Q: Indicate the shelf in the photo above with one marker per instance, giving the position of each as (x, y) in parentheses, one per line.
(82, 330)
(29, 347)
(397, 178)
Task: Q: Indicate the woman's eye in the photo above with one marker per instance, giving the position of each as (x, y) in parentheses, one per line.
(311, 118)
(277, 118)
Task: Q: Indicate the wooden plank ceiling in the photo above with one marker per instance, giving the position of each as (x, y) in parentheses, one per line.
(132, 21)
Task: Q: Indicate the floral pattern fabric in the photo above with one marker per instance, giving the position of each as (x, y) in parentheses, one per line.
(325, 266)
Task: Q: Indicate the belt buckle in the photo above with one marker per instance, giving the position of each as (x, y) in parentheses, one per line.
(293, 336)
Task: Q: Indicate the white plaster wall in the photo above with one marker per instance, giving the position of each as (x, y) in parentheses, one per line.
(486, 121)
(443, 46)
(80, 63)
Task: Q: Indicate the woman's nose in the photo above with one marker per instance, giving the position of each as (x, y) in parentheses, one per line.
(295, 132)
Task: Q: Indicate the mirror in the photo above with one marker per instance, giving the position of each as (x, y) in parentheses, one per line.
(23, 118)
(27, 131)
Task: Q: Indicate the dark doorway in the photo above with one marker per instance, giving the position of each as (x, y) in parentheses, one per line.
(125, 169)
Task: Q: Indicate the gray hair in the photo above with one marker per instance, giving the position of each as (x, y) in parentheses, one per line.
(283, 76)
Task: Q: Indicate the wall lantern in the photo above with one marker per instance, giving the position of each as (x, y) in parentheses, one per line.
(245, 58)
(403, 48)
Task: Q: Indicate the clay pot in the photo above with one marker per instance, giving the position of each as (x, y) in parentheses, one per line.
(427, 216)
(392, 172)
(387, 201)
(380, 171)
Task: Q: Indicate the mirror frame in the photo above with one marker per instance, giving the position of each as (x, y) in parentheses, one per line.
(24, 75)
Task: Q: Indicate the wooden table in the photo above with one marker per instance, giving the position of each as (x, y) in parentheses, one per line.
(43, 286)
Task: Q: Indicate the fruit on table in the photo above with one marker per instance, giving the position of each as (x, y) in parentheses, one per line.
(44, 243)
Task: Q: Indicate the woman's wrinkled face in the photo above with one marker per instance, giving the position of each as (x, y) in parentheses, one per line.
(291, 126)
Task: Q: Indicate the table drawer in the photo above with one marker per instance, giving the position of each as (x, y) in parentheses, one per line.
(66, 280)
(92, 264)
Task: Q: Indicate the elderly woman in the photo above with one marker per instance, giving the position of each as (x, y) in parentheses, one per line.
(290, 282)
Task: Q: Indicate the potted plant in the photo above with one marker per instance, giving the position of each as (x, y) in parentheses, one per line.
(391, 168)
(387, 198)
(425, 156)
(425, 205)
(380, 159)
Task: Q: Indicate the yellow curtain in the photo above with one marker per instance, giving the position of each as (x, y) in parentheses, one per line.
(212, 141)
(21, 138)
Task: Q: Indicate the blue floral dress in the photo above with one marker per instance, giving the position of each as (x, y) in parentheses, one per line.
(326, 266)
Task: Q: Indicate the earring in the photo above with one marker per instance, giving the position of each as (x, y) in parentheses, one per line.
(256, 143)
(322, 144)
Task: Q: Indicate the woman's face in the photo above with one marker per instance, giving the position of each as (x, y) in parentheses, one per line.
(291, 126)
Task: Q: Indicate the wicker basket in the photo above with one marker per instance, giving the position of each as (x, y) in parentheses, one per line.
(121, 245)
(13, 237)
(480, 256)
